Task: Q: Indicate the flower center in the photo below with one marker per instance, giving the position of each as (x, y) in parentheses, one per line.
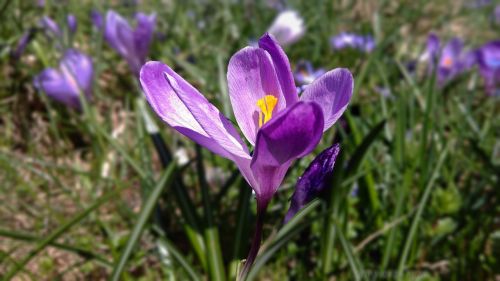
(447, 62)
(266, 105)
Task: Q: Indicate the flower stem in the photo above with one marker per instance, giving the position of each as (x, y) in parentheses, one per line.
(254, 249)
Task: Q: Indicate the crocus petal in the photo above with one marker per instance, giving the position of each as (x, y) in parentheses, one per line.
(143, 34)
(50, 26)
(291, 134)
(433, 46)
(313, 180)
(96, 18)
(72, 23)
(118, 33)
(79, 67)
(282, 66)
(452, 50)
(57, 87)
(181, 106)
(332, 92)
(251, 76)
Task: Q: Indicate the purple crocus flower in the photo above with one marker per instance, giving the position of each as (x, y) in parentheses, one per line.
(280, 126)
(488, 59)
(313, 181)
(22, 43)
(96, 18)
(305, 74)
(133, 45)
(351, 40)
(72, 23)
(450, 61)
(73, 76)
(51, 28)
(496, 14)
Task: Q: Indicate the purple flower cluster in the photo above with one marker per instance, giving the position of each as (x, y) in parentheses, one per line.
(451, 60)
(351, 40)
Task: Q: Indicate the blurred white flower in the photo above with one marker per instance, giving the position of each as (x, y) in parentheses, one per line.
(287, 28)
(181, 156)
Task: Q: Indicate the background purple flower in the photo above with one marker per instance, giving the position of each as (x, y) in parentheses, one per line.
(64, 84)
(449, 60)
(352, 40)
(132, 45)
(22, 43)
(72, 23)
(50, 27)
(488, 59)
(305, 73)
(97, 20)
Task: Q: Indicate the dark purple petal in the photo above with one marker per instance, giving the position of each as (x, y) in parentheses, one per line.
(22, 44)
(282, 67)
(332, 92)
(292, 134)
(313, 180)
(164, 88)
(72, 23)
(251, 76)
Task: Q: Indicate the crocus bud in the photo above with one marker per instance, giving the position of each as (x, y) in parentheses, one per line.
(51, 27)
(287, 28)
(74, 76)
(313, 181)
(22, 43)
(72, 24)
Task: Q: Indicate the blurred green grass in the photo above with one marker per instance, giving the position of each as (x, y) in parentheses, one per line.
(434, 166)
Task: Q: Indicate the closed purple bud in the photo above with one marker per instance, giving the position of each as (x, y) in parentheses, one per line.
(72, 24)
(64, 84)
(488, 60)
(312, 182)
(96, 18)
(21, 45)
(50, 26)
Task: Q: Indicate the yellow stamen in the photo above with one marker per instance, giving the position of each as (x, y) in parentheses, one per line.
(447, 62)
(266, 105)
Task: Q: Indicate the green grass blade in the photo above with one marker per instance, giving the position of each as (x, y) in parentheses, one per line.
(354, 263)
(60, 231)
(211, 233)
(146, 211)
(285, 234)
(84, 253)
(162, 242)
(418, 214)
